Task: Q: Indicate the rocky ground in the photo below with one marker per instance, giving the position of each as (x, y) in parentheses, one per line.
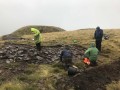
(27, 53)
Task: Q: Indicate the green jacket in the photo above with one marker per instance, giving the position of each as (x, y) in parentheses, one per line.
(92, 53)
(37, 35)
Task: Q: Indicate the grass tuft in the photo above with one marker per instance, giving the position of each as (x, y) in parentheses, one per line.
(113, 86)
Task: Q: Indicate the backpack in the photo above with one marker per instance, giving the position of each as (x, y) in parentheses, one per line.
(106, 37)
(72, 71)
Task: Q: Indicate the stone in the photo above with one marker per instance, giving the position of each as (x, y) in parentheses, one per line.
(0, 71)
(55, 58)
(7, 61)
(11, 56)
(39, 58)
(1, 52)
(20, 52)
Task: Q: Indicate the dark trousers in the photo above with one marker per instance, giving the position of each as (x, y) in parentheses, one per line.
(93, 63)
(67, 62)
(38, 46)
(98, 44)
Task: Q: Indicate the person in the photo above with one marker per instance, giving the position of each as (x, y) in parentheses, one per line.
(98, 36)
(91, 55)
(37, 37)
(66, 57)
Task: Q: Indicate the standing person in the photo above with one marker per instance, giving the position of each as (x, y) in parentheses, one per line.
(37, 37)
(66, 57)
(91, 55)
(98, 36)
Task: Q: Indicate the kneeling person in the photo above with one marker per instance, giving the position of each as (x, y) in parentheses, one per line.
(91, 54)
(66, 57)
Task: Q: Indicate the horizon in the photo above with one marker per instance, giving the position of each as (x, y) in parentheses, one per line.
(72, 30)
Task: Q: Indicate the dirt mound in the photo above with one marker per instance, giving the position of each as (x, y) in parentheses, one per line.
(27, 53)
(94, 78)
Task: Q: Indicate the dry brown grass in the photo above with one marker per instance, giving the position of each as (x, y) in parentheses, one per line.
(113, 86)
(110, 47)
(66, 37)
(1, 42)
(83, 37)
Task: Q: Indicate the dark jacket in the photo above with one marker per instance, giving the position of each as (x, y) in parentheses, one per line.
(98, 34)
(65, 54)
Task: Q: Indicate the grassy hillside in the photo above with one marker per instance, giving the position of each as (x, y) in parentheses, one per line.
(24, 76)
(26, 31)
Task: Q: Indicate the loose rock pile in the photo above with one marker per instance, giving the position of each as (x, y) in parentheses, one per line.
(27, 53)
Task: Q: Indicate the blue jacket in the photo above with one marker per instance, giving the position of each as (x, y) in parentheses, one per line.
(66, 54)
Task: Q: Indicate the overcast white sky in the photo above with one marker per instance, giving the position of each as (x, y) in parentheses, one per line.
(67, 14)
